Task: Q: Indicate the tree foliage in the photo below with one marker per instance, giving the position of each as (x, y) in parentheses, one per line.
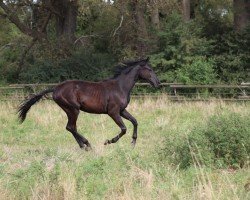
(207, 45)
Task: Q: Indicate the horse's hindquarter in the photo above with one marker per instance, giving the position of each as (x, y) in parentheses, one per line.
(83, 95)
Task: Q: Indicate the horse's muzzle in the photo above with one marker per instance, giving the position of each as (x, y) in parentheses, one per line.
(157, 83)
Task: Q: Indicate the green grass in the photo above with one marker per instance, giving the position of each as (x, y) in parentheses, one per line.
(39, 159)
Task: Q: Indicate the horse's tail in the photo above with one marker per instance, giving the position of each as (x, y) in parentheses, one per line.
(25, 106)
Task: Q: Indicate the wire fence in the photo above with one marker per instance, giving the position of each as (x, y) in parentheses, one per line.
(172, 91)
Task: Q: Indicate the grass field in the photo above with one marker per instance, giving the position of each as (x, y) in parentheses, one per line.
(39, 159)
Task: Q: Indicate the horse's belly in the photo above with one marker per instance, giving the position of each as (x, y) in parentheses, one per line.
(92, 107)
(92, 100)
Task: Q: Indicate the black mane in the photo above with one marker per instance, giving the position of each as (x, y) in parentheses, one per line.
(126, 66)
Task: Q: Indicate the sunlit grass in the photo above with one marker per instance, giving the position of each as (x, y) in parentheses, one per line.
(39, 159)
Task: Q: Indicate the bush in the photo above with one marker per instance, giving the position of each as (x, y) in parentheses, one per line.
(221, 142)
(81, 65)
(232, 56)
(199, 71)
(179, 45)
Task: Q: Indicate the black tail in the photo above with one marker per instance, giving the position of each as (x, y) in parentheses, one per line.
(25, 106)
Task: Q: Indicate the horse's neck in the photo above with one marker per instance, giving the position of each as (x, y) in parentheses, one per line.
(127, 82)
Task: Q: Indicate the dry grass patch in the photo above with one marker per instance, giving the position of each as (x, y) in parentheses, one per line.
(41, 160)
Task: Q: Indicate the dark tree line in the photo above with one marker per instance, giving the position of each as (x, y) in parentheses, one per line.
(64, 14)
(52, 30)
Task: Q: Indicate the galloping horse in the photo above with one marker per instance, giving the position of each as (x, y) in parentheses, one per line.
(109, 96)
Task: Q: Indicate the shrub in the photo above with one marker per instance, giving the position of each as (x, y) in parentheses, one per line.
(179, 43)
(221, 142)
(81, 65)
(199, 71)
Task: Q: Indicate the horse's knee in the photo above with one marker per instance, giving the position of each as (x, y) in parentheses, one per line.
(123, 130)
(134, 122)
(70, 128)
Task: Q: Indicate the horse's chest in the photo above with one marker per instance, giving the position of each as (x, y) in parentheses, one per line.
(124, 102)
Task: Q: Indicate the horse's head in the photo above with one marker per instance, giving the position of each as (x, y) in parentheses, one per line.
(146, 73)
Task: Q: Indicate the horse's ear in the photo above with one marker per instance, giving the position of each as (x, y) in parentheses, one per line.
(144, 61)
(123, 64)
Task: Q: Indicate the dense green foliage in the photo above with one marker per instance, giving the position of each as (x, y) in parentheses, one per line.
(223, 141)
(80, 65)
(206, 49)
(181, 48)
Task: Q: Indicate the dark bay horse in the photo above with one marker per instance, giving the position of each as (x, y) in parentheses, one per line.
(110, 97)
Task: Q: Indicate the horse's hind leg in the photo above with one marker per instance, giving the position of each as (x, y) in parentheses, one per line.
(71, 127)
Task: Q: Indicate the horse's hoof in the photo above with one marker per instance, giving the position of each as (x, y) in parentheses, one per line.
(133, 143)
(107, 142)
(87, 148)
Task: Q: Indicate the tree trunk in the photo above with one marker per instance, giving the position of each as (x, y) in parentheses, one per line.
(193, 7)
(186, 10)
(141, 29)
(241, 14)
(154, 14)
(66, 21)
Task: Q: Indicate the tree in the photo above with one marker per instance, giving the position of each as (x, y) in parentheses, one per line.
(138, 9)
(241, 14)
(63, 11)
(11, 12)
(38, 15)
(154, 13)
(66, 19)
(11, 9)
(186, 10)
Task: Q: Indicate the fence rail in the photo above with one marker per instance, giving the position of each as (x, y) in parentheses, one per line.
(208, 86)
(173, 91)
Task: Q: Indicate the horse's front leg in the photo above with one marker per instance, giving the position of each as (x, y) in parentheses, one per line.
(118, 120)
(129, 117)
